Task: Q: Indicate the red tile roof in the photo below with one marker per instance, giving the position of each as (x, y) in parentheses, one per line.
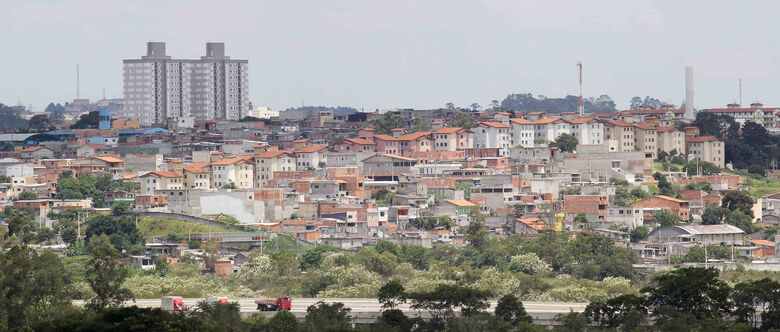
(273, 154)
(449, 130)
(234, 160)
(310, 149)
(161, 174)
(360, 141)
(494, 125)
(701, 139)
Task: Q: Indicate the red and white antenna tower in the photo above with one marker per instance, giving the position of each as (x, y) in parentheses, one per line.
(581, 104)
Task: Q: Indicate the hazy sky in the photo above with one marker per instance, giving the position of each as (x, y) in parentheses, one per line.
(420, 54)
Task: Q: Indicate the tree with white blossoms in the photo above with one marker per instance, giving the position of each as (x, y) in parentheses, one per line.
(529, 263)
(256, 268)
(499, 283)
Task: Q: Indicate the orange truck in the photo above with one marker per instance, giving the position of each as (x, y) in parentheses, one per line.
(280, 303)
(173, 303)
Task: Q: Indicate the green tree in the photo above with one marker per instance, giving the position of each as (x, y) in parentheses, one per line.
(218, 316)
(475, 232)
(162, 268)
(391, 294)
(68, 188)
(323, 316)
(463, 120)
(417, 255)
(581, 218)
(421, 125)
(230, 185)
(736, 200)
(638, 193)
(565, 143)
(754, 298)
(312, 258)
(105, 275)
(626, 312)
(121, 207)
(442, 301)
(741, 220)
(639, 233)
(665, 217)
(39, 122)
(283, 321)
(27, 196)
(86, 121)
(511, 310)
(122, 232)
(386, 123)
(663, 185)
(714, 215)
(693, 290)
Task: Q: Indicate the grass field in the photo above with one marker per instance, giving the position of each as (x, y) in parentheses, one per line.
(763, 187)
(160, 227)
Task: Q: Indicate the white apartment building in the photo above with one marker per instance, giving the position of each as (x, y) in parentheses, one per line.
(273, 161)
(522, 133)
(493, 135)
(586, 130)
(159, 89)
(544, 129)
(155, 180)
(236, 170)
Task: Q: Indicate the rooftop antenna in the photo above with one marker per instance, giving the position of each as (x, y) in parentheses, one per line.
(581, 104)
(77, 81)
(104, 93)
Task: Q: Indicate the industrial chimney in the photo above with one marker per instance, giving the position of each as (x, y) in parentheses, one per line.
(689, 115)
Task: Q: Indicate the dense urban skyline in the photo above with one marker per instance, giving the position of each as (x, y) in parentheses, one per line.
(404, 54)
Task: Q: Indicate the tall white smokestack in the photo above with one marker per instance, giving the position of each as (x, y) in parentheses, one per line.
(689, 114)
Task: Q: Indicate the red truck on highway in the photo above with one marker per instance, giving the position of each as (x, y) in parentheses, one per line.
(173, 303)
(280, 303)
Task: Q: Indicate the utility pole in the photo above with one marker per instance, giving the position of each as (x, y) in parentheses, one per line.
(77, 82)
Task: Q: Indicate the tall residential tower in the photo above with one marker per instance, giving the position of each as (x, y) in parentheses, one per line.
(159, 89)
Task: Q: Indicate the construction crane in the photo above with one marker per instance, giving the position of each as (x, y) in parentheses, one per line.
(581, 104)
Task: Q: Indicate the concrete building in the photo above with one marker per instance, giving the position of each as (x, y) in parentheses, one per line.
(646, 140)
(700, 234)
(757, 113)
(452, 139)
(493, 135)
(619, 136)
(156, 180)
(269, 162)
(670, 139)
(159, 89)
(237, 170)
(707, 148)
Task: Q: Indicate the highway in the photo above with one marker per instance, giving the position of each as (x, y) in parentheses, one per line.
(366, 310)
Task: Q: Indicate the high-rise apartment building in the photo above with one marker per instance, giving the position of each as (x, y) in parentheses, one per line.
(159, 89)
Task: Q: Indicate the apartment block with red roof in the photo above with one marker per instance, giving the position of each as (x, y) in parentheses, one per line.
(355, 145)
(619, 136)
(197, 176)
(493, 135)
(452, 139)
(646, 140)
(670, 139)
(273, 161)
(707, 148)
(156, 180)
(237, 170)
